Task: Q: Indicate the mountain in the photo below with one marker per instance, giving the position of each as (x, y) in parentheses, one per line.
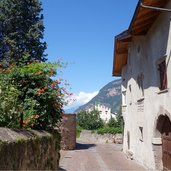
(70, 110)
(109, 95)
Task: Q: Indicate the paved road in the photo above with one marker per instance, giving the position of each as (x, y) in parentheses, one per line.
(97, 157)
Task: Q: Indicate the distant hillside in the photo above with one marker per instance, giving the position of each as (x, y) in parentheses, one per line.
(109, 95)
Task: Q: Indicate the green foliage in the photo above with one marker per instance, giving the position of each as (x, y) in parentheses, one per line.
(113, 122)
(118, 122)
(89, 120)
(29, 98)
(78, 131)
(109, 130)
(119, 118)
(21, 32)
(9, 106)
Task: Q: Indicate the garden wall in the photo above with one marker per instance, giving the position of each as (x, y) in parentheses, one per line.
(28, 150)
(68, 132)
(89, 137)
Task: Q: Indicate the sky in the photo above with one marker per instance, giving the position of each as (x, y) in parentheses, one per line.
(81, 33)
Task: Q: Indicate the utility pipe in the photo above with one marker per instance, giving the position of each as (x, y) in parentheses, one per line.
(154, 8)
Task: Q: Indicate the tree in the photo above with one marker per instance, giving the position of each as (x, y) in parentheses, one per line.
(119, 118)
(118, 122)
(89, 120)
(21, 32)
(112, 122)
(29, 98)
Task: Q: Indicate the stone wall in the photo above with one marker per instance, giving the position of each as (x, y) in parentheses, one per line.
(68, 132)
(29, 150)
(89, 137)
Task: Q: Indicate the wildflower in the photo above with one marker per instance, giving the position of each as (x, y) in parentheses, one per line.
(58, 94)
(38, 73)
(32, 125)
(37, 116)
(58, 82)
(26, 121)
(40, 91)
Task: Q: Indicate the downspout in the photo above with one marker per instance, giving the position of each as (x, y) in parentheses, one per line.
(154, 8)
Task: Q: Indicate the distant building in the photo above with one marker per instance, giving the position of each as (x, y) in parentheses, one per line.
(105, 112)
(142, 56)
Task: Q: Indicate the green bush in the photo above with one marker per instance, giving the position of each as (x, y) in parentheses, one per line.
(113, 122)
(78, 131)
(29, 98)
(108, 130)
(116, 122)
(89, 120)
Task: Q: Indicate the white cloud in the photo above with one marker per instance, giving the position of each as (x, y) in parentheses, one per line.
(80, 99)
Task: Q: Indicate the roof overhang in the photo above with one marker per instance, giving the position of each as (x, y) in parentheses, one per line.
(141, 22)
(121, 51)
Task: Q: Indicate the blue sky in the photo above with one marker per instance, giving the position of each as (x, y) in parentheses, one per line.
(81, 33)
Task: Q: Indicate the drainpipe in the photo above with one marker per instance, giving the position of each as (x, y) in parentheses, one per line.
(154, 8)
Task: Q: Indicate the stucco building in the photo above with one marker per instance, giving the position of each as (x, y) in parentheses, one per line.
(142, 56)
(105, 112)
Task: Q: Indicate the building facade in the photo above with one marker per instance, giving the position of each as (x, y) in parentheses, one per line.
(105, 112)
(142, 56)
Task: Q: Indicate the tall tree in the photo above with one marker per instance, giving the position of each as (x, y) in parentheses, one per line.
(21, 31)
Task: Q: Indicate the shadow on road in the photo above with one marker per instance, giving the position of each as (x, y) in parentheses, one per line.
(61, 169)
(80, 146)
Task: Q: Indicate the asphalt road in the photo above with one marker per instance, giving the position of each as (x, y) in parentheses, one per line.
(97, 157)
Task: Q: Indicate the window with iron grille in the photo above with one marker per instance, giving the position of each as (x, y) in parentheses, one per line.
(163, 75)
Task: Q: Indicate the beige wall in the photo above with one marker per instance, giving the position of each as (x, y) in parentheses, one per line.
(141, 111)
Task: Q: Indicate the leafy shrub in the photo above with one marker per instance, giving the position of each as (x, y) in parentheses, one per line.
(116, 123)
(78, 131)
(29, 97)
(108, 130)
(113, 122)
(90, 120)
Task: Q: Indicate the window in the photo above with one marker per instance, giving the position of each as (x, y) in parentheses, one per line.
(163, 75)
(128, 139)
(140, 79)
(141, 133)
(130, 89)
